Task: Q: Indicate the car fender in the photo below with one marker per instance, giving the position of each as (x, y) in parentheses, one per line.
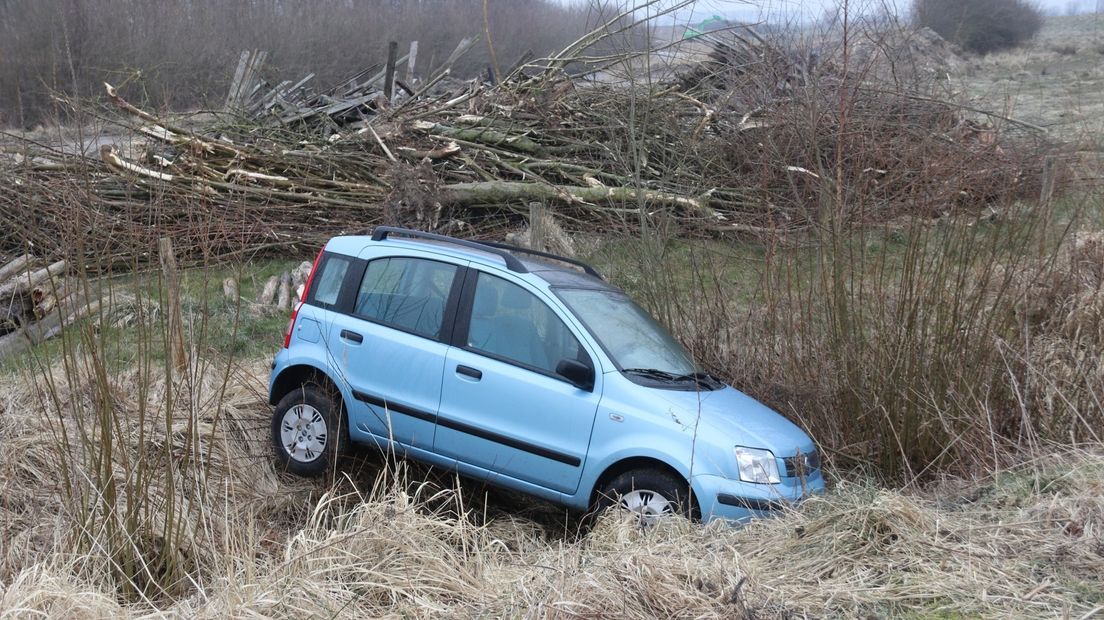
(286, 362)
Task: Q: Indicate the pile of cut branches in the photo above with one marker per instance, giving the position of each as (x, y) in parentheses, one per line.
(759, 142)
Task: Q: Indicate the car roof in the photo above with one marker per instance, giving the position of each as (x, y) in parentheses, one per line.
(550, 270)
(563, 275)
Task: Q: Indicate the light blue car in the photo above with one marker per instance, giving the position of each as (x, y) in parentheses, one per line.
(524, 370)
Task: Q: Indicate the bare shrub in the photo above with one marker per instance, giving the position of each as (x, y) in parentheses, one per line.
(887, 329)
(980, 26)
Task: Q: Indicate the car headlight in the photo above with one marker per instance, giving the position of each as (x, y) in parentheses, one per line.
(757, 466)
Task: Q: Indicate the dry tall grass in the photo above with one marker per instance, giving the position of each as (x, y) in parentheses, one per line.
(1028, 542)
(924, 346)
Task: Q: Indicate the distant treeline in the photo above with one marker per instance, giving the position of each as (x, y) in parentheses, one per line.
(180, 54)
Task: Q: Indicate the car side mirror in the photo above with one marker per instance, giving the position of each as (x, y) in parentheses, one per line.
(577, 373)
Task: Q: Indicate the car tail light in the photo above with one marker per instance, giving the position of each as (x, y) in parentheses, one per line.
(302, 296)
(310, 276)
(291, 324)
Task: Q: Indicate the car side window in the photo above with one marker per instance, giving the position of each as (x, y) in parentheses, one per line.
(407, 293)
(327, 288)
(509, 322)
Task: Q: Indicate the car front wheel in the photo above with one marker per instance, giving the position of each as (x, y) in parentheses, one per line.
(307, 431)
(648, 494)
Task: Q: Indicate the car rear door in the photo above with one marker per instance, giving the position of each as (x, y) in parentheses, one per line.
(390, 344)
(503, 407)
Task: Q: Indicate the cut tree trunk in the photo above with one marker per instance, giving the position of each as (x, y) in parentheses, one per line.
(283, 297)
(19, 265)
(500, 192)
(268, 293)
(24, 281)
(66, 313)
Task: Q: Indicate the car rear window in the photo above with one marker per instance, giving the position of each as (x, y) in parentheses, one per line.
(327, 283)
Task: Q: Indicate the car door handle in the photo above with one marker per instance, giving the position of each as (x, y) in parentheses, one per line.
(352, 336)
(468, 371)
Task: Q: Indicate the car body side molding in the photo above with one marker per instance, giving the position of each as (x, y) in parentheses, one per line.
(505, 440)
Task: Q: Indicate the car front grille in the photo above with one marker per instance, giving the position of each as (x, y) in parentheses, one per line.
(801, 464)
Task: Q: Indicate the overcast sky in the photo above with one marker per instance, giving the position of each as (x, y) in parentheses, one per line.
(774, 9)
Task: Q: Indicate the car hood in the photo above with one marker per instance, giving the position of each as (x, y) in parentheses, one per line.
(747, 421)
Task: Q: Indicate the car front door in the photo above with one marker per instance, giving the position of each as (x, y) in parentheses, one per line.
(391, 345)
(503, 407)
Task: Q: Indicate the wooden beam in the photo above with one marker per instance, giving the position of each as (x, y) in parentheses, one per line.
(389, 72)
(234, 94)
(538, 233)
(412, 59)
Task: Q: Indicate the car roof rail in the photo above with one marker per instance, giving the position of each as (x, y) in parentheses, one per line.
(503, 250)
(571, 261)
(381, 233)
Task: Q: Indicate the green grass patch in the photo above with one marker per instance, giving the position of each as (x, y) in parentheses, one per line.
(131, 323)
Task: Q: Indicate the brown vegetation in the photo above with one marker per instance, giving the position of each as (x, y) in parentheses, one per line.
(748, 142)
(207, 529)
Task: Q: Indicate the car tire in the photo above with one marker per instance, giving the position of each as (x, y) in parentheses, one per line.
(649, 493)
(309, 432)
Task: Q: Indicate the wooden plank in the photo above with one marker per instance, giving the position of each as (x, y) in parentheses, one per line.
(249, 85)
(245, 85)
(300, 84)
(233, 95)
(270, 98)
(412, 55)
(339, 106)
(389, 70)
(350, 83)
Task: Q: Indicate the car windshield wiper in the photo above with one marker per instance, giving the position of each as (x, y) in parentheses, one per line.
(702, 379)
(660, 375)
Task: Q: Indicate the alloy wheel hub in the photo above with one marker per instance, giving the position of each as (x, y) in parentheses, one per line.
(649, 506)
(303, 433)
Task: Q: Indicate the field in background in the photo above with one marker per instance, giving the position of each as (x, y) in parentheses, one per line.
(1056, 81)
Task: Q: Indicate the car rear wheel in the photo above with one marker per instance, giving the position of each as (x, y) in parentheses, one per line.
(648, 494)
(308, 431)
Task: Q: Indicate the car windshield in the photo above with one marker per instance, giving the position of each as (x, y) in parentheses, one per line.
(635, 341)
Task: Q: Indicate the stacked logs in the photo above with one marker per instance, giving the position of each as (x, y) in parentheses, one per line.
(36, 301)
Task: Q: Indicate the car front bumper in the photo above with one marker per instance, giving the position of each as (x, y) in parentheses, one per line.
(733, 500)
